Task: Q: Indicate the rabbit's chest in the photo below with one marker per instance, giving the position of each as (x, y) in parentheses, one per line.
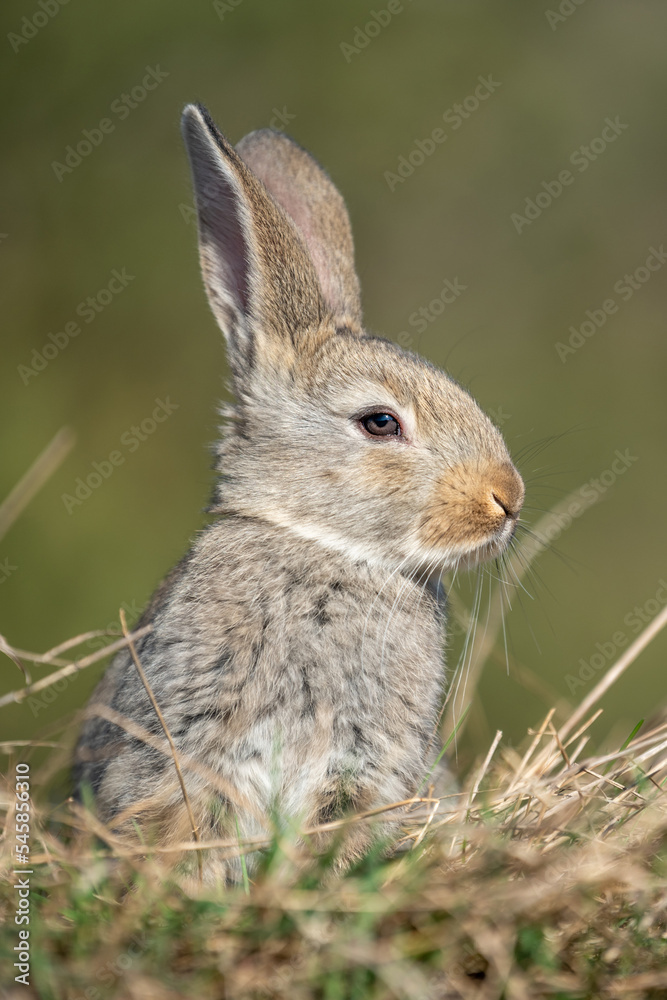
(375, 658)
(330, 689)
(356, 704)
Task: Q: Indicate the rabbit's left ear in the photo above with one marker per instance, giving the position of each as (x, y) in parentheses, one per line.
(260, 280)
(316, 207)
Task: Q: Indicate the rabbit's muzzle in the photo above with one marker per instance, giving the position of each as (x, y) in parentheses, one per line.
(473, 510)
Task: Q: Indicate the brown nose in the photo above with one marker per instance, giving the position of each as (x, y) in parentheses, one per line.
(507, 490)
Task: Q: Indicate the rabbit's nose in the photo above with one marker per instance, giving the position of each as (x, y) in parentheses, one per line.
(507, 490)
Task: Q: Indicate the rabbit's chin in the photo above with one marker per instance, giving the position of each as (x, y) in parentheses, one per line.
(469, 558)
(493, 548)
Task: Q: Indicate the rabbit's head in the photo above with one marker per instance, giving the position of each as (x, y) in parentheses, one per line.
(342, 437)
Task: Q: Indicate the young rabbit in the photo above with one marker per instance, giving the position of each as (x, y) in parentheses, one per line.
(296, 651)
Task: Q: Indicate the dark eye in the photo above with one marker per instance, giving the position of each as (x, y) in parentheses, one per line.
(381, 425)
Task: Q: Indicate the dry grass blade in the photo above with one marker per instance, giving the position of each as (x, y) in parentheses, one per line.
(41, 469)
(70, 668)
(9, 745)
(614, 672)
(533, 746)
(214, 779)
(484, 768)
(51, 655)
(14, 657)
(239, 845)
(165, 728)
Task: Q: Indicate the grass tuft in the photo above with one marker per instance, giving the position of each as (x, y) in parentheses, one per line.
(543, 877)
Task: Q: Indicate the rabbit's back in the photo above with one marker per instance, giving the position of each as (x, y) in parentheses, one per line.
(305, 683)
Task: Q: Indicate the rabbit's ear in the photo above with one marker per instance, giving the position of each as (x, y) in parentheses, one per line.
(259, 277)
(300, 185)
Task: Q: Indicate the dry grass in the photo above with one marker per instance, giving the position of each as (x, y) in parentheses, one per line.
(543, 877)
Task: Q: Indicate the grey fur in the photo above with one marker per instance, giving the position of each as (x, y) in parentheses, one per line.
(296, 652)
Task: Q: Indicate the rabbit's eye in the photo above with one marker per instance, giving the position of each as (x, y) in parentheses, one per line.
(381, 425)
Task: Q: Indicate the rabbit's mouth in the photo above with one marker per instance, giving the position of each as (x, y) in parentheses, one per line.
(492, 548)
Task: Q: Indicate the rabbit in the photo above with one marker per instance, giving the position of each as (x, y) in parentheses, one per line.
(297, 651)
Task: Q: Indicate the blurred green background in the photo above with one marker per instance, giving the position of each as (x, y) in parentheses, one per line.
(125, 206)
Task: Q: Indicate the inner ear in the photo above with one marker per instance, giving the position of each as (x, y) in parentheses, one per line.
(223, 236)
(306, 193)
